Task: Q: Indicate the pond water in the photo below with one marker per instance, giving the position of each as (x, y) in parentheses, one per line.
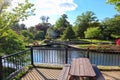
(51, 56)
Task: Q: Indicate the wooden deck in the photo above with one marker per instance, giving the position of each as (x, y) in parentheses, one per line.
(52, 74)
(42, 74)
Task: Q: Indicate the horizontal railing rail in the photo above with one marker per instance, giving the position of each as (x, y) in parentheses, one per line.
(22, 52)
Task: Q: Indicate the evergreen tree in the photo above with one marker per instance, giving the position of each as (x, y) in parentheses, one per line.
(68, 34)
(61, 24)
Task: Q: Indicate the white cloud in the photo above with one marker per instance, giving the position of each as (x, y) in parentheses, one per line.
(48, 7)
(56, 7)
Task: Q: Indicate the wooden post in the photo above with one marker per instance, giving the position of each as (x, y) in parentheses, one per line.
(66, 56)
(88, 53)
(31, 50)
(1, 69)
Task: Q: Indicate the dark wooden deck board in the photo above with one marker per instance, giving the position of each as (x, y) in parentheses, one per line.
(42, 74)
(53, 74)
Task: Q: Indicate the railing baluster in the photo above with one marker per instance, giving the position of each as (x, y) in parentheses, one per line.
(66, 51)
(88, 53)
(1, 68)
(31, 49)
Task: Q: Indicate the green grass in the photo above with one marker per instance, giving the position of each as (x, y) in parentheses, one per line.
(96, 41)
(99, 47)
(85, 46)
(109, 68)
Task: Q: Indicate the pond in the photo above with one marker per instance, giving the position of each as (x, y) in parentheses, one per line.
(58, 56)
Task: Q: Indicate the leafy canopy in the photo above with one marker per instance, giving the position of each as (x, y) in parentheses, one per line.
(93, 32)
(116, 3)
(21, 12)
(84, 21)
(11, 42)
(68, 33)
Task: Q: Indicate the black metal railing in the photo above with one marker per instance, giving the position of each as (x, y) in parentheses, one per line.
(53, 55)
(10, 64)
(65, 55)
(105, 58)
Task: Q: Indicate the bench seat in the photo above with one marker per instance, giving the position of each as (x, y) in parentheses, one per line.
(64, 75)
(99, 75)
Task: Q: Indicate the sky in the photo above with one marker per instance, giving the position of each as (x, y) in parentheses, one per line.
(55, 8)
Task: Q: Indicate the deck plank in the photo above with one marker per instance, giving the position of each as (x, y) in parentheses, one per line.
(42, 74)
(53, 74)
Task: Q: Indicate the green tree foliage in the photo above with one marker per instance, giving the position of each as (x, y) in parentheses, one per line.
(11, 42)
(21, 12)
(40, 35)
(4, 4)
(18, 27)
(32, 30)
(68, 34)
(116, 3)
(111, 26)
(62, 23)
(28, 37)
(93, 33)
(84, 21)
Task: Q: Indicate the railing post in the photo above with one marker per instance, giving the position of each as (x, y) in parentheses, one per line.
(66, 56)
(31, 51)
(88, 53)
(1, 69)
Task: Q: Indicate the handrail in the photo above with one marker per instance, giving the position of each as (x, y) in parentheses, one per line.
(15, 54)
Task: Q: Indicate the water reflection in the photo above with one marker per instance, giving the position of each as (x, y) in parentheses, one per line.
(59, 57)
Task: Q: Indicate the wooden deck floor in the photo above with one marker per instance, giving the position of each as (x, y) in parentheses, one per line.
(52, 74)
(42, 74)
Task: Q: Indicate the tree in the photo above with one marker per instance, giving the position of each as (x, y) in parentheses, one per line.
(68, 34)
(42, 27)
(111, 26)
(18, 27)
(84, 21)
(44, 19)
(116, 3)
(11, 42)
(93, 32)
(47, 19)
(40, 35)
(21, 12)
(3, 4)
(32, 30)
(62, 23)
(28, 37)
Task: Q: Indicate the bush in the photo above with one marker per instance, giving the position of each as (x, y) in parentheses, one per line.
(93, 32)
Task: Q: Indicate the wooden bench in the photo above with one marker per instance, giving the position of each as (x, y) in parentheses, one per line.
(99, 75)
(64, 75)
